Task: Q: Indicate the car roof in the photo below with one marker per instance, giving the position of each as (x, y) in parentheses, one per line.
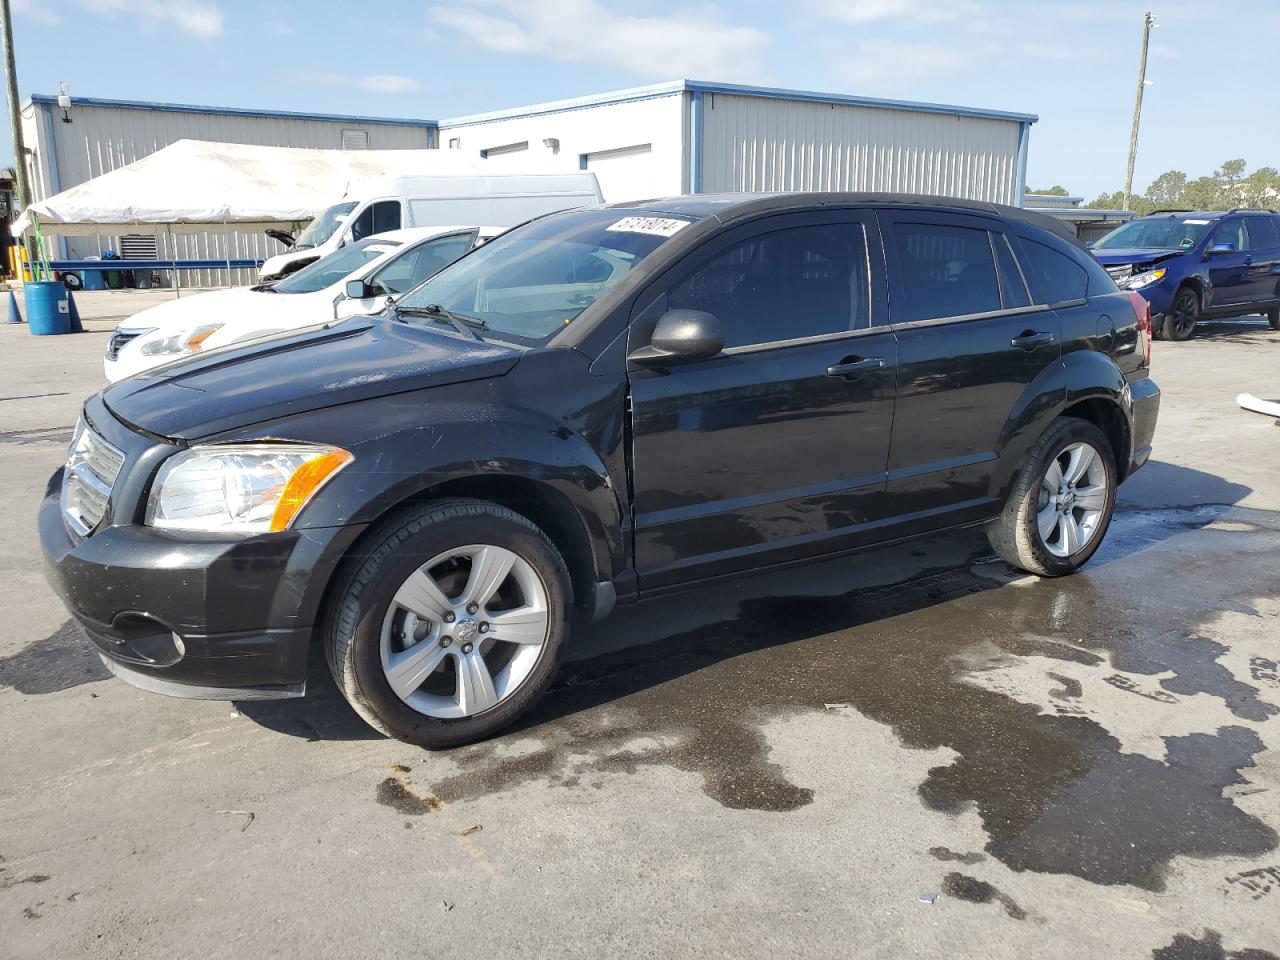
(733, 206)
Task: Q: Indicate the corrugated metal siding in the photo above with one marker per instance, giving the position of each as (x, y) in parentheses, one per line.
(100, 139)
(757, 144)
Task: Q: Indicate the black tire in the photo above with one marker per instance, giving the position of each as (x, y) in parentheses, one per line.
(72, 281)
(1015, 536)
(1273, 317)
(1184, 313)
(386, 558)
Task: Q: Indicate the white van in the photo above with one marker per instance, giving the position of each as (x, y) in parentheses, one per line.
(386, 203)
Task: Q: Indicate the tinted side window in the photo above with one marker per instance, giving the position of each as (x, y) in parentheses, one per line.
(945, 271)
(362, 226)
(1054, 277)
(1264, 232)
(411, 269)
(1232, 232)
(799, 282)
(1013, 289)
(386, 216)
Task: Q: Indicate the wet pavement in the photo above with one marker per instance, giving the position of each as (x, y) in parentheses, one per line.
(914, 752)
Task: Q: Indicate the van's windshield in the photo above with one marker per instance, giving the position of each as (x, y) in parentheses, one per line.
(1156, 233)
(528, 284)
(323, 227)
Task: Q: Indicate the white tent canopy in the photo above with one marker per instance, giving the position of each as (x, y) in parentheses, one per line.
(193, 186)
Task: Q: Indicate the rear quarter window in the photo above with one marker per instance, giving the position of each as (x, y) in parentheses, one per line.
(1053, 276)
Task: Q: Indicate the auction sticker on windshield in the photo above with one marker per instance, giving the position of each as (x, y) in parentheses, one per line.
(657, 226)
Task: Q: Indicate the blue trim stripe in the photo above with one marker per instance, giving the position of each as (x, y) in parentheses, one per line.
(231, 111)
(699, 86)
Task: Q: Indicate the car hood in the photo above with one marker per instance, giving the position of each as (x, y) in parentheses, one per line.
(1112, 258)
(280, 376)
(192, 310)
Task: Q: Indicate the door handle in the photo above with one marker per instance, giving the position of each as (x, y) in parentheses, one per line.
(853, 367)
(1030, 339)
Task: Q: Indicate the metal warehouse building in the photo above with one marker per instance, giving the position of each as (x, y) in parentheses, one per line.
(685, 136)
(105, 134)
(689, 136)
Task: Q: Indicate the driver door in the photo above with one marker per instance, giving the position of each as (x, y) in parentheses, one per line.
(778, 444)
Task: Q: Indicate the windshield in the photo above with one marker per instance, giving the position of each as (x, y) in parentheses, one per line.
(1163, 233)
(530, 283)
(322, 227)
(334, 268)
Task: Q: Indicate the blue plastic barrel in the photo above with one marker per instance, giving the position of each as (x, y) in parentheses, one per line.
(47, 310)
(94, 279)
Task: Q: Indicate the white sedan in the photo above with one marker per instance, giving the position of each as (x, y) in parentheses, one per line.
(388, 264)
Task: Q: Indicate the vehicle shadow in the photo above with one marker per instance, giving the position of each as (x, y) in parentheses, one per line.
(651, 643)
(1247, 329)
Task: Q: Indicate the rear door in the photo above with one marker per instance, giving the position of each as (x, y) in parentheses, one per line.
(970, 341)
(1264, 244)
(779, 443)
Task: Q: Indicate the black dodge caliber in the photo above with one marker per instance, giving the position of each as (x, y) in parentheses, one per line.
(601, 405)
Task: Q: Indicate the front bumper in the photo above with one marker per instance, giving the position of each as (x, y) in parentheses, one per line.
(211, 618)
(1144, 398)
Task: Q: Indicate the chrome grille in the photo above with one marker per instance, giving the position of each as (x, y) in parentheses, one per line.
(92, 468)
(119, 338)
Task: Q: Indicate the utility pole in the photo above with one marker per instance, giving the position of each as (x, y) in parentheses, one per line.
(1148, 21)
(15, 117)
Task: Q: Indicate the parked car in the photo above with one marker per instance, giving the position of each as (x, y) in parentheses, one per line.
(1194, 265)
(598, 406)
(384, 266)
(382, 204)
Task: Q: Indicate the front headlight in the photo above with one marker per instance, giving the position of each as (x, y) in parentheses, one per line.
(185, 341)
(240, 488)
(1146, 279)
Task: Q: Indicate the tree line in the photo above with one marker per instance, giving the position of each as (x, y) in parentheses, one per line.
(1227, 188)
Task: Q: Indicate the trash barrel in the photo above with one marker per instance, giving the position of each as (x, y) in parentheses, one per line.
(94, 279)
(47, 310)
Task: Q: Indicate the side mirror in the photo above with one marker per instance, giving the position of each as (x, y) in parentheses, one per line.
(679, 337)
(1220, 248)
(359, 290)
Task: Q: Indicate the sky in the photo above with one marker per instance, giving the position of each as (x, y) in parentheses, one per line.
(1072, 62)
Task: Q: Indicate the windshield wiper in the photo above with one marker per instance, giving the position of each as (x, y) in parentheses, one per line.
(467, 326)
(265, 288)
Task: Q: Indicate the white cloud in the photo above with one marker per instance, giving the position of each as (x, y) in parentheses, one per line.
(693, 43)
(37, 10)
(912, 11)
(388, 83)
(880, 65)
(199, 18)
(375, 83)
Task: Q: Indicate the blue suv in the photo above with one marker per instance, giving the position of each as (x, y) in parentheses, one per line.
(1192, 266)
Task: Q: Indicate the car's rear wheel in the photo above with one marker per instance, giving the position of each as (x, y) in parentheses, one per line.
(1273, 317)
(1184, 313)
(1062, 504)
(449, 623)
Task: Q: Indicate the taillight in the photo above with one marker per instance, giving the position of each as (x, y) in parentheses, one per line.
(1143, 310)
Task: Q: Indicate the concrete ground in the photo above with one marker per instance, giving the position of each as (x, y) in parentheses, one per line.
(910, 753)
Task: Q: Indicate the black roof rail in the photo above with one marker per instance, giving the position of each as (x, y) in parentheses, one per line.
(1251, 210)
(1171, 210)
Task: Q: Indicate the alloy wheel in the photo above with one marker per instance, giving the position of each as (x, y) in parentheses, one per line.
(1183, 315)
(1072, 500)
(464, 631)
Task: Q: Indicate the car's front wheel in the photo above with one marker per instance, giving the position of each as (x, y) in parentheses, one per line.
(449, 623)
(1062, 504)
(1273, 317)
(1184, 314)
